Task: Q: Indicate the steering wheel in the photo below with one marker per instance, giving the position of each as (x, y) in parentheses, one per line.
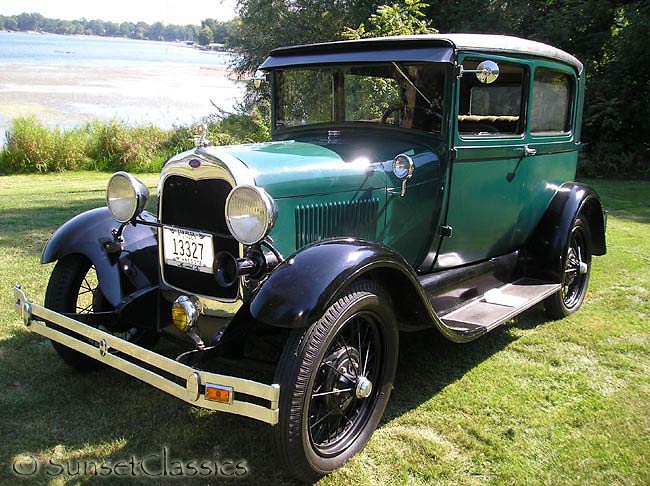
(389, 110)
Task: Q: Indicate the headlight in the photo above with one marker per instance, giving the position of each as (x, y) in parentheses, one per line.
(126, 196)
(250, 214)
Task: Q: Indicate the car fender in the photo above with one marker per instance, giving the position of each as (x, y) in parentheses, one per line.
(302, 287)
(546, 247)
(90, 234)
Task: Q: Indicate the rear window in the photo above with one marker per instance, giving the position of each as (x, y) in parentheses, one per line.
(550, 112)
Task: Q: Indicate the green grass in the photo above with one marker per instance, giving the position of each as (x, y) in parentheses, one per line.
(534, 402)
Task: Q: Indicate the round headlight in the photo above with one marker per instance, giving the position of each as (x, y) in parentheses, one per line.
(250, 214)
(126, 196)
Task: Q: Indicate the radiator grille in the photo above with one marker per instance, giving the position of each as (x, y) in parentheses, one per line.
(346, 218)
(198, 205)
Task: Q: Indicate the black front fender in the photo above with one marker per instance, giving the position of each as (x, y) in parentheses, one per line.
(302, 287)
(89, 234)
(547, 245)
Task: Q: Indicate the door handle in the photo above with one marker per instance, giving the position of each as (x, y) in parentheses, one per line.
(529, 151)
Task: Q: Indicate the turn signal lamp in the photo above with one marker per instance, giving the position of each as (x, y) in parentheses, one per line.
(218, 393)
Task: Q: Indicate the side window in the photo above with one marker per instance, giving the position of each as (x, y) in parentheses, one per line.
(550, 112)
(492, 109)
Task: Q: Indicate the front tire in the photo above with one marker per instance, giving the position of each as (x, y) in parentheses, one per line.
(335, 379)
(74, 288)
(575, 275)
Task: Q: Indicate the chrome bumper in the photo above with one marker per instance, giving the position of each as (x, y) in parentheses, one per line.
(101, 346)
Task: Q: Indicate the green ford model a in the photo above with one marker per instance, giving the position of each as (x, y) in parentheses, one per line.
(412, 182)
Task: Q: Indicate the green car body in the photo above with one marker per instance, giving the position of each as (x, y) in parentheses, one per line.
(412, 182)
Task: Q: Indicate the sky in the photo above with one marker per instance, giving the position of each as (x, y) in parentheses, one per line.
(150, 11)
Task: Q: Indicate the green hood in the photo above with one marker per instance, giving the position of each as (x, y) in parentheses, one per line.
(290, 168)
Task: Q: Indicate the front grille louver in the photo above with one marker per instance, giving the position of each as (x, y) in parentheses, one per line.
(345, 218)
(198, 205)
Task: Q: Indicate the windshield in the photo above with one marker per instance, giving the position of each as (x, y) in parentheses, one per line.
(401, 95)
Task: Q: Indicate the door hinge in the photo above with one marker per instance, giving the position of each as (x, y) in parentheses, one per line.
(446, 231)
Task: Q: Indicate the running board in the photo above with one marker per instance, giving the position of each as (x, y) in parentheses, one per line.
(499, 305)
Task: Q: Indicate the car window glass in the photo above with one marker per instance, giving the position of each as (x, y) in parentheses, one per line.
(549, 113)
(394, 94)
(491, 109)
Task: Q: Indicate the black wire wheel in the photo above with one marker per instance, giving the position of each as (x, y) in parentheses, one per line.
(335, 381)
(74, 288)
(575, 276)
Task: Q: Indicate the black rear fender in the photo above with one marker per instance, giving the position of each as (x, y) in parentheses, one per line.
(547, 245)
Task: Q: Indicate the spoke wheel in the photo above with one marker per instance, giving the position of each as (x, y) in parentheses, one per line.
(575, 275)
(342, 395)
(335, 380)
(74, 288)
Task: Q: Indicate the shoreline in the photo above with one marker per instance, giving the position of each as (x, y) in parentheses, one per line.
(176, 43)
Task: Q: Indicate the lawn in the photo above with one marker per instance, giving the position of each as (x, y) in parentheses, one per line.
(534, 402)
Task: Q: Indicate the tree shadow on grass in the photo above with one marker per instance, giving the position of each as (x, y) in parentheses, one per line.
(106, 416)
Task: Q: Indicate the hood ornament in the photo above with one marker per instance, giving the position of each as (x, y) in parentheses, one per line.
(200, 139)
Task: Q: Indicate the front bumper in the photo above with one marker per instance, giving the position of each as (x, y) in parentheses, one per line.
(170, 376)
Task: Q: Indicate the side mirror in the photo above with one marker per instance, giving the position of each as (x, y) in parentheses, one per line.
(486, 72)
(403, 168)
(259, 78)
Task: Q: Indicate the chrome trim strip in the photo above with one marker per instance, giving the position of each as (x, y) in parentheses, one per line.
(191, 393)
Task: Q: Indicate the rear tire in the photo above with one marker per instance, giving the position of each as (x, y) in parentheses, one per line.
(575, 273)
(74, 287)
(335, 379)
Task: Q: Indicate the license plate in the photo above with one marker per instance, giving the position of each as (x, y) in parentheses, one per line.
(188, 249)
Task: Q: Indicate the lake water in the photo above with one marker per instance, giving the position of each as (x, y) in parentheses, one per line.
(67, 80)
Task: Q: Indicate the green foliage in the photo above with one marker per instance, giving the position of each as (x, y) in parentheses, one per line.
(139, 30)
(109, 146)
(250, 125)
(396, 19)
(266, 24)
(116, 146)
(33, 147)
(205, 36)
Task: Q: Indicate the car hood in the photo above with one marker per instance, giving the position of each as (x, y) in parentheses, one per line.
(291, 168)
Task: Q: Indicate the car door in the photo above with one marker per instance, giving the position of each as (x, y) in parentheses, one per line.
(489, 144)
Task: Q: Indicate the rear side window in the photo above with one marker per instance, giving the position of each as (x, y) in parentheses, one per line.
(550, 112)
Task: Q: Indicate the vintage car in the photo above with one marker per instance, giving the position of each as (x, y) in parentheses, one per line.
(412, 182)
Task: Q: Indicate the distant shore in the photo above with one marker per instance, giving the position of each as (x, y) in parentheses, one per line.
(177, 43)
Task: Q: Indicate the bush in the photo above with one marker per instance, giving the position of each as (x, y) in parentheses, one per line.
(115, 146)
(614, 160)
(33, 147)
(111, 146)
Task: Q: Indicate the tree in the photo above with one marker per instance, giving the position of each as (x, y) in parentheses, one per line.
(11, 24)
(266, 24)
(395, 19)
(205, 36)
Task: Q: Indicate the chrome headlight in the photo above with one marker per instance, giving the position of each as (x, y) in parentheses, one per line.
(250, 214)
(126, 196)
